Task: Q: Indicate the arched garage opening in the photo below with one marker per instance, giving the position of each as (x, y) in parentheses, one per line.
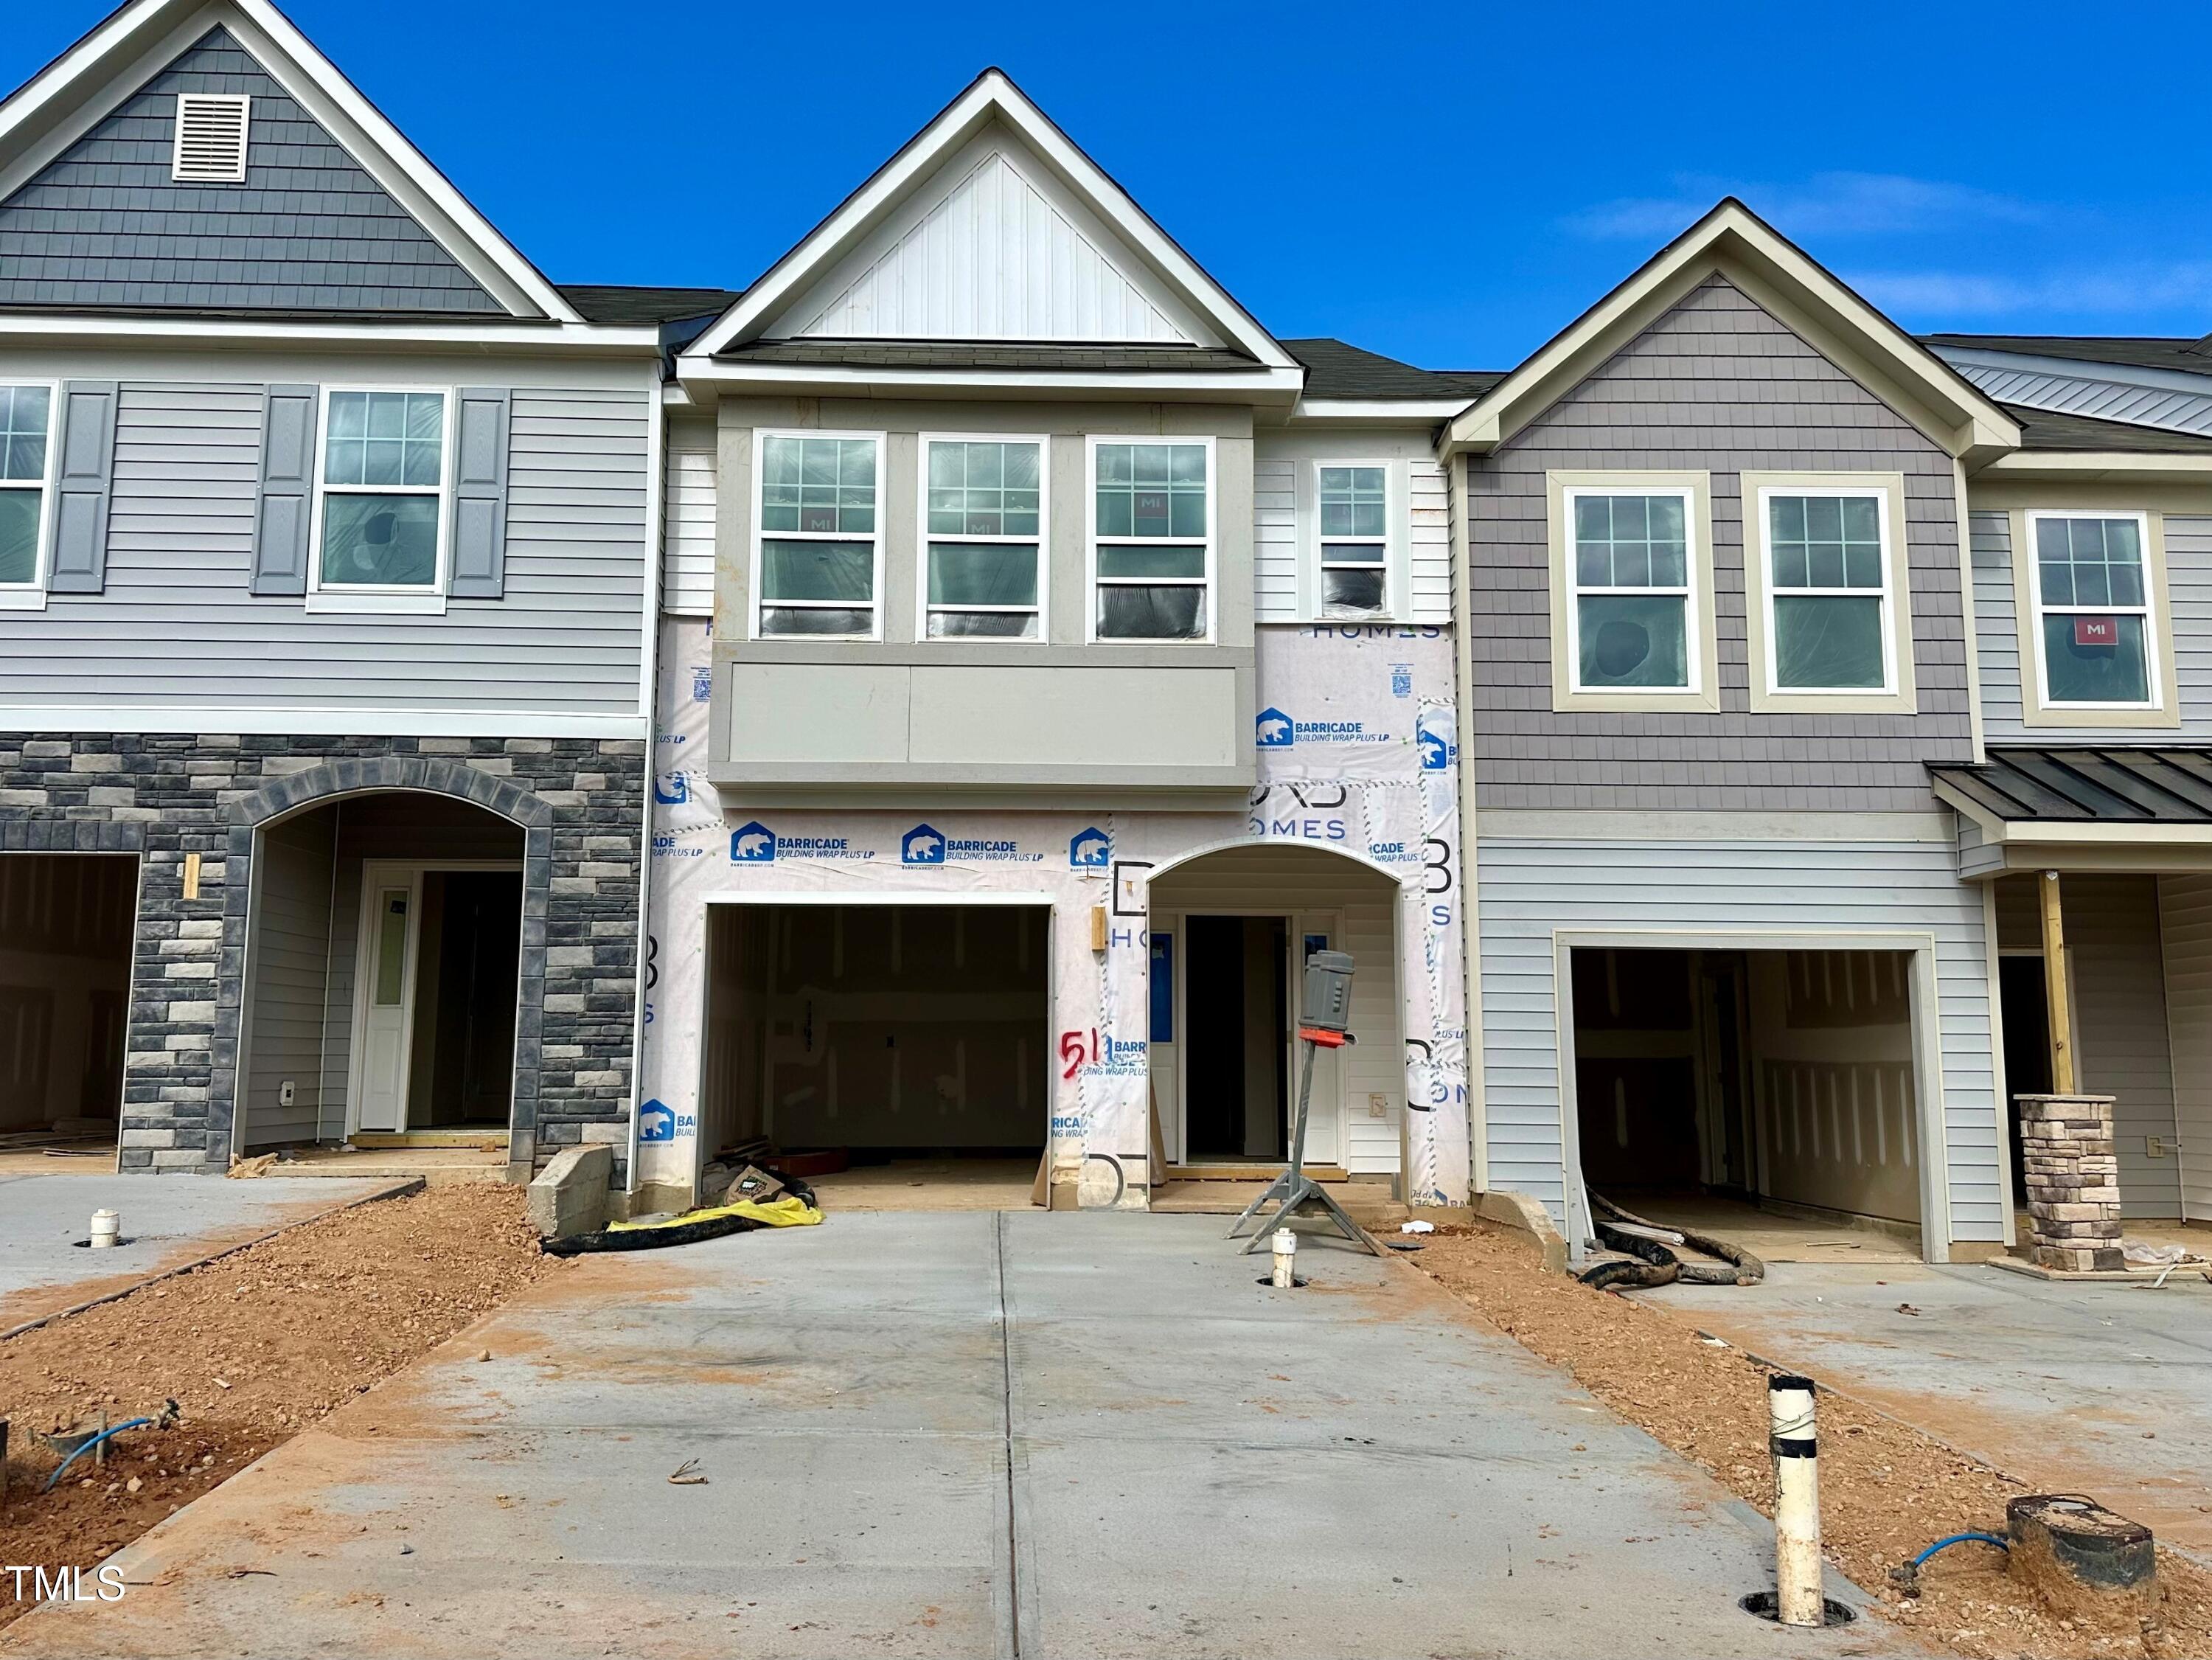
(1231, 929)
(383, 975)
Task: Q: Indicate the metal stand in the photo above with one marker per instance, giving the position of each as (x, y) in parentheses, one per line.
(1294, 1187)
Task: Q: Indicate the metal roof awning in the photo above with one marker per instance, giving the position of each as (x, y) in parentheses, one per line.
(2085, 807)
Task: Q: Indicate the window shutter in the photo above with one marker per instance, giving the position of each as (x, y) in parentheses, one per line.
(480, 495)
(87, 466)
(288, 465)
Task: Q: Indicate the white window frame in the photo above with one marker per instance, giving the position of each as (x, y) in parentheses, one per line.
(2156, 658)
(1392, 541)
(877, 601)
(363, 599)
(32, 595)
(1211, 582)
(1761, 494)
(1694, 637)
(922, 540)
(245, 106)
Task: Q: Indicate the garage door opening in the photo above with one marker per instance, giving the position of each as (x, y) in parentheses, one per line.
(1762, 1093)
(899, 1050)
(66, 924)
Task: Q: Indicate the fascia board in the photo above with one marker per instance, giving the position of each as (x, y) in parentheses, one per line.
(1400, 411)
(808, 379)
(2101, 466)
(58, 328)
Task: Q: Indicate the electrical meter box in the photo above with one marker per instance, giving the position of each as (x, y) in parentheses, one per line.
(1327, 1006)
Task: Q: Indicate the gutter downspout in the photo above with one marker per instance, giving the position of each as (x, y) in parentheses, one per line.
(656, 445)
(1458, 483)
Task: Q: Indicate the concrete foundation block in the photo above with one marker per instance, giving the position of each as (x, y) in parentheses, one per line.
(569, 1195)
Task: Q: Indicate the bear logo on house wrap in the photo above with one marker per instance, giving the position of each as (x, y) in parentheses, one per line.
(922, 845)
(752, 844)
(1090, 849)
(1274, 730)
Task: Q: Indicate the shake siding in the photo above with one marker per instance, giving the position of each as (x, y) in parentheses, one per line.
(1275, 542)
(2004, 660)
(1717, 384)
(178, 625)
(1529, 888)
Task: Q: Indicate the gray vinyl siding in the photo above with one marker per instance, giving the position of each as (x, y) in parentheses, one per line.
(1717, 384)
(1531, 887)
(291, 976)
(103, 224)
(1997, 636)
(177, 624)
(2185, 930)
(2122, 1044)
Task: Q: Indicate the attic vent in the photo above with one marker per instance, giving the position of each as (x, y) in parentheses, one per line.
(211, 138)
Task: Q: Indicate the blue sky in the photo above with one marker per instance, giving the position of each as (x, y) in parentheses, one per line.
(1450, 185)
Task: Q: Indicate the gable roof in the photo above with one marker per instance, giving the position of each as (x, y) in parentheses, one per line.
(1736, 243)
(2055, 430)
(104, 69)
(1189, 303)
(1336, 369)
(644, 305)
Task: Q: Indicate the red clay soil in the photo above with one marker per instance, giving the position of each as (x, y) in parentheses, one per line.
(252, 1348)
(1887, 1491)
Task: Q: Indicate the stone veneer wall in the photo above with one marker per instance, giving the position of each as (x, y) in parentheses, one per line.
(580, 802)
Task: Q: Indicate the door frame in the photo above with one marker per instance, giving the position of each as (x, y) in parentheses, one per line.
(1176, 923)
(377, 873)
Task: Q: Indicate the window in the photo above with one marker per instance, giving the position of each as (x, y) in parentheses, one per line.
(815, 559)
(983, 540)
(1153, 539)
(381, 504)
(1354, 508)
(211, 140)
(1827, 577)
(1630, 623)
(2093, 615)
(26, 465)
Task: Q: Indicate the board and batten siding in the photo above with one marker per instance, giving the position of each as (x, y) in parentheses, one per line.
(2185, 917)
(291, 976)
(178, 625)
(1718, 385)
(1531, 887)
(1275, 552)
(687, 532)
(1999, 642)
(2122, 1023)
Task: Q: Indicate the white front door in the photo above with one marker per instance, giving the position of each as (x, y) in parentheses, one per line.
(387, 1001)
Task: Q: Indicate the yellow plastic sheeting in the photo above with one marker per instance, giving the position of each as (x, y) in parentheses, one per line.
(788, 1211)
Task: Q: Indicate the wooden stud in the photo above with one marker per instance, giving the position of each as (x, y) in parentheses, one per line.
(191, 876)
(2054, 987)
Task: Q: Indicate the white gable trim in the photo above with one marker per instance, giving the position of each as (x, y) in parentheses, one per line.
(916, 277)
(85, 84)
(993, 97)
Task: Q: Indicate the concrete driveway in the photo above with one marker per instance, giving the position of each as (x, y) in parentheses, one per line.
(166, 1221)
(960, 1434)
(2097, 1388)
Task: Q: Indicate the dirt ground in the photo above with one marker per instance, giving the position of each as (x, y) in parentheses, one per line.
(1887, 1491)
(252, 1348)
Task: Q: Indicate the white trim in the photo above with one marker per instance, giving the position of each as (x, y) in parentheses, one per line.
(1395, 563)
(1043, 540)
(1409, 411)
(1762, 578)
(138, 41)
(1693, 601)
(32, 595)
(262, 720)
(181, 171)
(413, 599)
(2147, 609)
(1927, 1049)
(991, 96)
(1211, 583)
(875, 539)
(849, 380)
(64, 330)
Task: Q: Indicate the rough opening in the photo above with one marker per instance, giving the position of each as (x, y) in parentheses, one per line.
(1727, 1091)
(906, 1039)
(66, 925)
(384, 956)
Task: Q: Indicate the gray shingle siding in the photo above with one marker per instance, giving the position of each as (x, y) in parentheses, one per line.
(309, 230)
(1720, 385)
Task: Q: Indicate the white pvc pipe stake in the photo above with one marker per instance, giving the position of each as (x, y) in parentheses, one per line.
(1287, 1256)
(1796, 1500)
(106, 1228)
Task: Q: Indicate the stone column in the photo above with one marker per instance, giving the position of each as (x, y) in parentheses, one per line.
(2073, 1182)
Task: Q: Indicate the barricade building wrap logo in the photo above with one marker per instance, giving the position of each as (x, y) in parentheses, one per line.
(1274, 730)
(757, 844)
(1090, 849)
(752, 844)
(922, 845)
(656, 1123)
(1436, 748)
(925, 845)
